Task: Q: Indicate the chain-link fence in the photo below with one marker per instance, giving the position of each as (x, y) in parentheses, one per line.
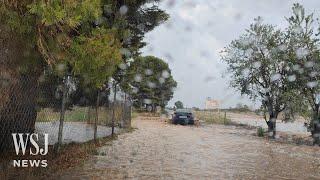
(61, 107)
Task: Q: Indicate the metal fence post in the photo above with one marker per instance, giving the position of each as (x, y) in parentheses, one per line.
(129, 114)
(123, 113)
(113, 108)
(62, 113)
(96, 118)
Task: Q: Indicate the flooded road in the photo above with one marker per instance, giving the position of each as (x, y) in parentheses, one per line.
(296, 127)
(72, 131)
(157, 150)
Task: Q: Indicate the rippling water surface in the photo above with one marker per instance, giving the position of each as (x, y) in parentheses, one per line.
(157, 150)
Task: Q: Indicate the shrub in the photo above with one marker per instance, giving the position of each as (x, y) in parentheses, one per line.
(211, 117)
(260, 132)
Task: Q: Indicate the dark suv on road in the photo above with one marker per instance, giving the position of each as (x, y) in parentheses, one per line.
(183, 117)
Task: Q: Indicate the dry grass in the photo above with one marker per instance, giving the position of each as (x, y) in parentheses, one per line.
(81, 114)
(75, 114)
(70, 156)
(212, 117)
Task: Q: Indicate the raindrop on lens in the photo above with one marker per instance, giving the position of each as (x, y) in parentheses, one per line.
(300, 71)
(297, 10)
(249, 51)
(245, 72)
(292, 78)
(137, 78)
(148, 72)
(313, 74)
(107, 9)
(296, 67)
(57, 94)
(312, 84)
(169, 57)
(297, 29)
(151, 84)
(147, 101)
(126, 52)
(209, 78)
(135, 90)
(282, 47)
(256, 64)
(301, 53)
(60, 68)
(170, 3)
(161, 80)
(275, 77)
(123, 10)
(309, 64)
(141, 27)
(165, 74)
(123, 66)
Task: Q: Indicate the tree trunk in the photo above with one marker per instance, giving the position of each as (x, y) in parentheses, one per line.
(315, 132)
(272, 125)
(18, 113)
(18, 90)
(315, 126)
(273, 115)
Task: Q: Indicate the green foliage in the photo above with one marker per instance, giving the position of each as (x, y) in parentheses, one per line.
(212, 117)
(69, 13)
(260, 132)
(242, 108)
(280, 67)
(95, 57)
(150, 81)
(49, 25)
(130, 27)
(86, 38)
(138, 20)
(304, 51)
(12, 19)
(179, 105)
(259, 68)
(58, 28)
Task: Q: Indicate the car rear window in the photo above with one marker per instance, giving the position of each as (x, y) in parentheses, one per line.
(183, 114)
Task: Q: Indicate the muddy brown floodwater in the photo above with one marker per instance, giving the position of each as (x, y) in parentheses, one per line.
(157, 150)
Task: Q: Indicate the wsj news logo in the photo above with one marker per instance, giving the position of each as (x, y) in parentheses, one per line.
(21, 141)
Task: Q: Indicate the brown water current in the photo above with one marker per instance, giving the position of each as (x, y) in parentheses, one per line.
(157, 150)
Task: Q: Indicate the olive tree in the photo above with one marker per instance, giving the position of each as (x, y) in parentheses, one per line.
(304, 52)
(258, 64)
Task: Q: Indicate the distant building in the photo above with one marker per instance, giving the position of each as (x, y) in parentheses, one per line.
(212, 104)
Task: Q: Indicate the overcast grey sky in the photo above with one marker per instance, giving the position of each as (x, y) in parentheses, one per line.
(197, 30)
